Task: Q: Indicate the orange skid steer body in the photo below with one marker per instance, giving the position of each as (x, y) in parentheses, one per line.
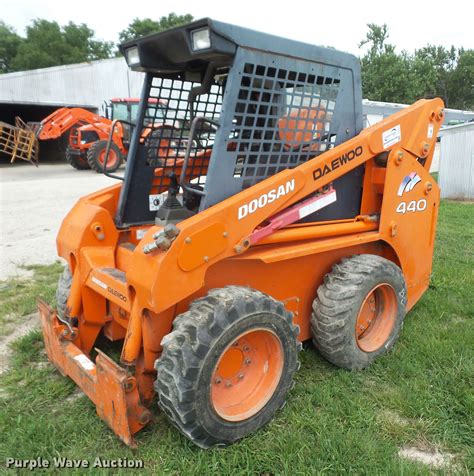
(143, 306)
(131, 282)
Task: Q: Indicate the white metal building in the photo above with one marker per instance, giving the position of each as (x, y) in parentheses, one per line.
(34, 94)
(456, 170)
(375, 111)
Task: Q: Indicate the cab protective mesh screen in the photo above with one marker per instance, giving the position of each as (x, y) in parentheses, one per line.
(166, 139)
(282, 118)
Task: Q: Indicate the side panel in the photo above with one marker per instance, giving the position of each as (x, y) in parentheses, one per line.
(292, 281)
(408, 219)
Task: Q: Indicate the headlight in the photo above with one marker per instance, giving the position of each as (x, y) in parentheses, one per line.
(132, 56)
(201, 39)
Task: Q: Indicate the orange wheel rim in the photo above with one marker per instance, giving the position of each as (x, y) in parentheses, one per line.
(247, 374)
(111, 159)
(376, 318)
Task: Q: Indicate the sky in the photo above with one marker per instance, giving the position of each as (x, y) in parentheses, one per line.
(337, 23)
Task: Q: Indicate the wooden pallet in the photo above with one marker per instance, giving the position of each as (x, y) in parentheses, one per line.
(19, 142)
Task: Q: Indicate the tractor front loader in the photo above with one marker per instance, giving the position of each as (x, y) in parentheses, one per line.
(268, 219)
(63, 123)
(87, 133)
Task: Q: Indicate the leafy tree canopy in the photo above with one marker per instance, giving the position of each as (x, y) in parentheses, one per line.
(49, 44)
(429, 71)
(9, 43)
(141, 27)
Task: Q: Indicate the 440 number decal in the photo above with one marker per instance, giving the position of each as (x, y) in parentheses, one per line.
(413, 206)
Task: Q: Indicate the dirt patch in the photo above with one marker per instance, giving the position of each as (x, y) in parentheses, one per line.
(22, 327)
(394, 418)
(70, 399)
(78, 393)
(435, 458)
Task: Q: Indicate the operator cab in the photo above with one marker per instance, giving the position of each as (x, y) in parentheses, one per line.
(241, 107)
(126, 109)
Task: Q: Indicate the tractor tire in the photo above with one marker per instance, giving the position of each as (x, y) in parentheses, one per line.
(78, 161)
(359, 310)
(227, 366)
(62, 291)
(96, 156)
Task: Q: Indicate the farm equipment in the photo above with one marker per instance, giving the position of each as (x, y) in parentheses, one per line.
(270, 218)
(87, 132)
(18, 142)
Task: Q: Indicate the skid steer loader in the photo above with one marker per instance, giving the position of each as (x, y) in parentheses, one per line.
(271, 220)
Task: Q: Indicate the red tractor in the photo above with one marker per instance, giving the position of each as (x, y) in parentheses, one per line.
(87, 133)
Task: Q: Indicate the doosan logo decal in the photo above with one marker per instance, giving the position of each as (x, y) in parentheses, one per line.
(409, 183)
(266, 198)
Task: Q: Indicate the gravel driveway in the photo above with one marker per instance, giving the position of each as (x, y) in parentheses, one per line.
(33, 202)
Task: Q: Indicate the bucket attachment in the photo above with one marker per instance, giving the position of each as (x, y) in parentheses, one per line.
(109, 386)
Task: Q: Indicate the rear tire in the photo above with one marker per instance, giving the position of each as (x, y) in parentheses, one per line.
(227, 366)
(78, 161)
(358, 313)
(96, 156)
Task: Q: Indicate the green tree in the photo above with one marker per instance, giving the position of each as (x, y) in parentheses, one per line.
(47, 44)
(461, 81)
(141, 27)
(432, 68)
(384, 72)
(430, 71)
(9, 43)
(81, 40)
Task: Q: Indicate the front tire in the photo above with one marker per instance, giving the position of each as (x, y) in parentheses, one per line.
(358, 313)
(62, 292)
(96, 156)
(227, 366)
(75, 159)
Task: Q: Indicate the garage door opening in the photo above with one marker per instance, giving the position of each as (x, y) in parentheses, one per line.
(50, 150)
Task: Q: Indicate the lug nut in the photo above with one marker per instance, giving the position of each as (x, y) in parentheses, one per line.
(248, 361)
(228, 384)
(218, 380)
(241, 376)
(246, 348)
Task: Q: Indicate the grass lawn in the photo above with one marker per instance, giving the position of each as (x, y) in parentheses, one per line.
(420, 395)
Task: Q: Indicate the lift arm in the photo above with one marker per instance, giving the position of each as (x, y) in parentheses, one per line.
(60, 121)
(163, 278)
